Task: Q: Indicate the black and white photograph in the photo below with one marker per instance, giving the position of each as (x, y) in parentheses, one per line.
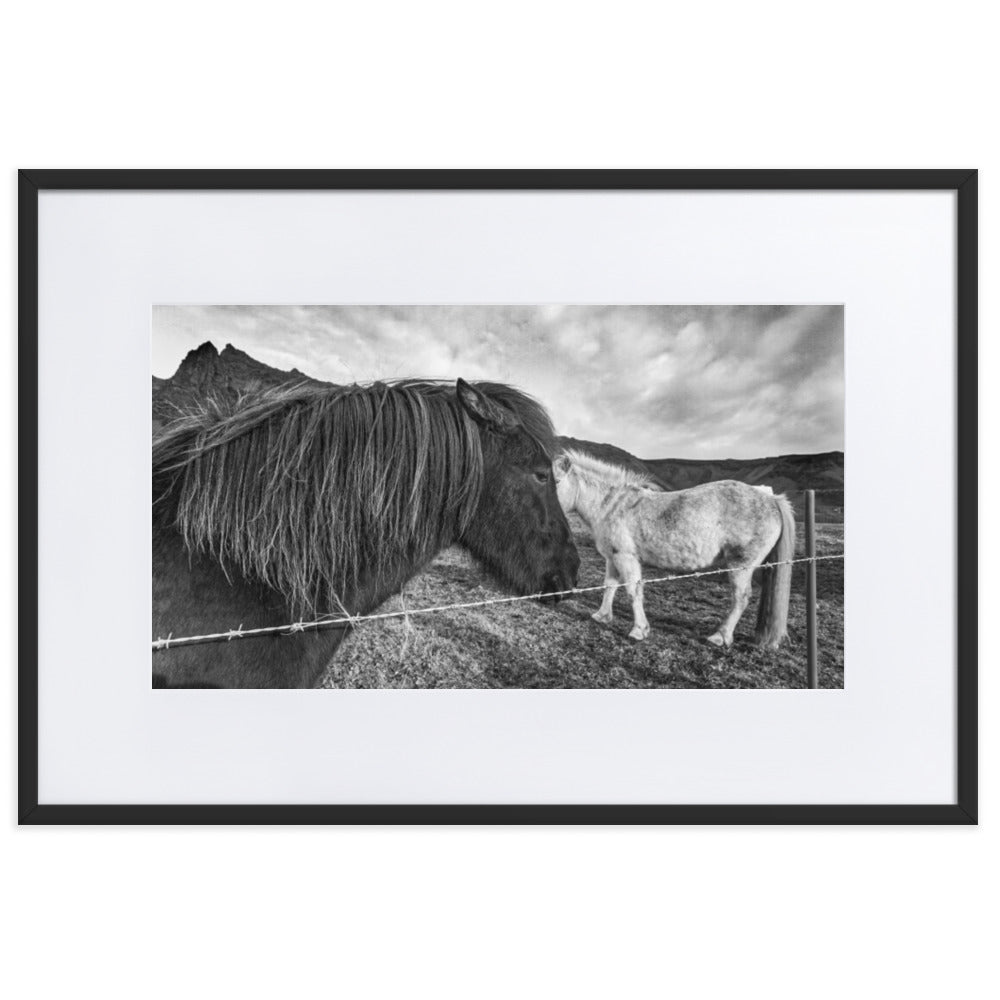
(499, 368)
(498, 496)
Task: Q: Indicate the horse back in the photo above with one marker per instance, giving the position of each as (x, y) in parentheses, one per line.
(708, 526)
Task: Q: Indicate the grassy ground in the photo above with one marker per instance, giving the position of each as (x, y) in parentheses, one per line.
(530, 645)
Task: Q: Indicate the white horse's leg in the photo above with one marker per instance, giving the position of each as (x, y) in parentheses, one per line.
(605, 613)
(629, 572)
(739, 588)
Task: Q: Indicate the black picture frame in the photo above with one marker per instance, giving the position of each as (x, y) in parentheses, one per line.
(963, 182)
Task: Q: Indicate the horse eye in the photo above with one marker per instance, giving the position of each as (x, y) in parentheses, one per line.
(542, 477)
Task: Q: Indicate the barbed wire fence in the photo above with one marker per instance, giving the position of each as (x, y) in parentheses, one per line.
(343, 620)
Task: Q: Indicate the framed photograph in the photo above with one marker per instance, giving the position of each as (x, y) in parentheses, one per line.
(498, 497)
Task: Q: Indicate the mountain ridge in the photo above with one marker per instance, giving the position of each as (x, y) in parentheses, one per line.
(205, 369)
(232, 371)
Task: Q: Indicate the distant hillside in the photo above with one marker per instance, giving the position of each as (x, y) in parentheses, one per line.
(790, 474)
(205, 369)
(784, 472)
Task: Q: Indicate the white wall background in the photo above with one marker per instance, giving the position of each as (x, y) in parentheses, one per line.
(587, 912)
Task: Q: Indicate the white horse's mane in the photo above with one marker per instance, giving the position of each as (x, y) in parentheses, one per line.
(608, 473)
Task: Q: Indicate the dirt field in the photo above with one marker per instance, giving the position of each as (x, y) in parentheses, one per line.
(530, 645)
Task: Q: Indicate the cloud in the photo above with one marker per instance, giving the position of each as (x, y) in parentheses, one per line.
(660, 381)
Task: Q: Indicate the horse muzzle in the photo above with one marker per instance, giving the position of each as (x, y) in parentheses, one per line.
(553, 587)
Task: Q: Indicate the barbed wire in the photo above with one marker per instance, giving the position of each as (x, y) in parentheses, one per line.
(777, 489)
(349, 621)
(784, 489)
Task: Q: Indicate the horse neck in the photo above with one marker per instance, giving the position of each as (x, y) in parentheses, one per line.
(589, 498)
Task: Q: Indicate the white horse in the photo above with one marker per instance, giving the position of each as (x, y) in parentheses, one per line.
(722, 525)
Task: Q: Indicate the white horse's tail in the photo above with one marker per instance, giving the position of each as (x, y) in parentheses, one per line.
(776, 589)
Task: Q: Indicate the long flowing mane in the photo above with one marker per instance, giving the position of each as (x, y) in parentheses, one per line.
(313, 489)
(597, 471)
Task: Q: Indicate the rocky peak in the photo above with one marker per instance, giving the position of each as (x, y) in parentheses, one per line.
(207, 371)
(231, 354)
(200, 367)
(207, 368)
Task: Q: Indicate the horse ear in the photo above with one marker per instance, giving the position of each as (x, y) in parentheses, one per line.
(561, 466)
(483, 410)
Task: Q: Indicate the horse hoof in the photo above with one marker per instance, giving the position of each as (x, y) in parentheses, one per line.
(601, 619)
(716, 640)
(638, 633)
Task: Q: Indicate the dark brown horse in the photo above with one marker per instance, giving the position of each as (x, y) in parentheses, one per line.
(310, 501)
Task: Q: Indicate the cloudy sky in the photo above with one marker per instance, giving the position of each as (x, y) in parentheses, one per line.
(659, 381)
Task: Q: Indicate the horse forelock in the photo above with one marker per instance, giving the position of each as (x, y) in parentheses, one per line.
(315, 490)
(596, 470)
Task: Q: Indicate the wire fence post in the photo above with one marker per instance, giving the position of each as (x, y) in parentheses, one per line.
(812, 663)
